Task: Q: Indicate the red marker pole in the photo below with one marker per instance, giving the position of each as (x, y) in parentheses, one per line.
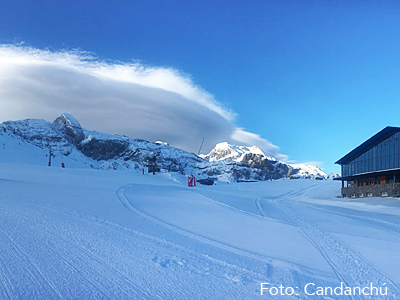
(191, 181)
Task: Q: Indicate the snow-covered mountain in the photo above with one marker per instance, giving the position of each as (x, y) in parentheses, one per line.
(306, 171)
(255, 157)
(66, 141)
(224, 151)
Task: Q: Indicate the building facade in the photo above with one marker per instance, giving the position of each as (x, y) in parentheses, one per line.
(373, 168)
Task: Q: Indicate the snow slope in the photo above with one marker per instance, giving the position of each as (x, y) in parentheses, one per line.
(97, 234)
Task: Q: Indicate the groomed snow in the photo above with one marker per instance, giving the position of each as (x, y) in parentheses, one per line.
(95, 234)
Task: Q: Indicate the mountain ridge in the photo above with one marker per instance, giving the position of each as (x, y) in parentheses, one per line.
(250, 154)
(66, 140)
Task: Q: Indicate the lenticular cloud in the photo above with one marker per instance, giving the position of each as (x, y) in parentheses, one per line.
(126, 98)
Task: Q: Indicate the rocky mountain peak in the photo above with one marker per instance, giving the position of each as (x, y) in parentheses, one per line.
(71, 127)
(225, 150)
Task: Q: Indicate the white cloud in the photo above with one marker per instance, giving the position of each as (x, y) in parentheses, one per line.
(127, 98)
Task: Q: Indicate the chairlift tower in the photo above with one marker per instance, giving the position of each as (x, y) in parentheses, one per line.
(49, 156)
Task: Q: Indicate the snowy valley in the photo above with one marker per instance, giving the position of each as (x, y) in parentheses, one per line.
(100, 229)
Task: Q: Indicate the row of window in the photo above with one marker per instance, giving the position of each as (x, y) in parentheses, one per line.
(369, 194)
(388, 147)
(384, 156)
(378, 164)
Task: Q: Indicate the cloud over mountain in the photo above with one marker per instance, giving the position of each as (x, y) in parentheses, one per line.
(140, 101)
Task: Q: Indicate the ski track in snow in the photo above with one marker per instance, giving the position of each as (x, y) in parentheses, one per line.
(349, 265)
(25, 274)
(85, 271)
(278, 271)
(91, 275)
(76, 268)
(373, 222)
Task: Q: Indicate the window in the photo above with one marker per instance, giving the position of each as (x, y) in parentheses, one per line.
(391, 148)
(345, 170)
(384, 194)
(384, 149)
(369, 194)
(373, 164)
(350, 183)
(361, 195)
(378, 163)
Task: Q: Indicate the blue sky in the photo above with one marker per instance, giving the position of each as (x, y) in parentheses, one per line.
(315, 78)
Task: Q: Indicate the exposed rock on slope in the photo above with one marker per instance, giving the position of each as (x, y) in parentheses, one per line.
(71, 127)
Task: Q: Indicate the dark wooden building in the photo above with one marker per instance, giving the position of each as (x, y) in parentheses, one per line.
(373, 168)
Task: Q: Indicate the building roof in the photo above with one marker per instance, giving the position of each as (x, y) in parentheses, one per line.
(368, 144)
